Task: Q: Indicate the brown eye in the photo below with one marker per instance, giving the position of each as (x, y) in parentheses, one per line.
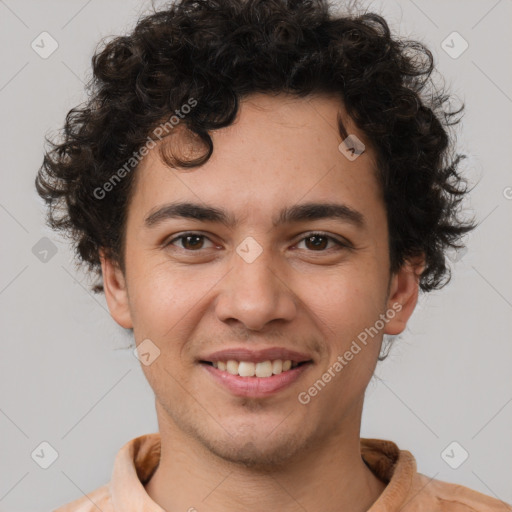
(190, 241)
(193, 241)
(318, 242)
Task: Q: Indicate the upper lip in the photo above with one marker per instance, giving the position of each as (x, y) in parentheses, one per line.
(256, 356)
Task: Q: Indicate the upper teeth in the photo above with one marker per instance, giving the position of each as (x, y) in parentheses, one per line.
(249, 369)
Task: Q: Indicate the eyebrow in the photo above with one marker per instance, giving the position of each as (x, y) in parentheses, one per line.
(289, 215)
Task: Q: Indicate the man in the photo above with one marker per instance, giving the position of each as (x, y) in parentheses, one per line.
(264, 190)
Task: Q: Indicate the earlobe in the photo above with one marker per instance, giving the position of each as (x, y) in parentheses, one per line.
(116, 293)
(403, 295)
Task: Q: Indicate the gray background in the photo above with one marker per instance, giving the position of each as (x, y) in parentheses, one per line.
(66, 377)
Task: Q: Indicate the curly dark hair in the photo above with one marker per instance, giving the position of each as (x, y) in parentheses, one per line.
(220, 51)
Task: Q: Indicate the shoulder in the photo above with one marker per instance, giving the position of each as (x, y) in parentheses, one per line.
(449, 497)
(99, 499)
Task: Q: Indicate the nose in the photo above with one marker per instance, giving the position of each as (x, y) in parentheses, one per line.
(255, 293)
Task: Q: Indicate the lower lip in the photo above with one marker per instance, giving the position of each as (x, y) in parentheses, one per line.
(256, 387)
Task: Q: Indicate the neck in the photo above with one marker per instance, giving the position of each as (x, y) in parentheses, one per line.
(330, 476)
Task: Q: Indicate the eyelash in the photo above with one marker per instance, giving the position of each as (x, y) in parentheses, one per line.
(341, 245)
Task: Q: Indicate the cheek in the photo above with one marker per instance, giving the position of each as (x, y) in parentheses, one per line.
(158, 300)
(345, 298)
(164, 313)
(347, 305)
(349, 312)
(168, 303)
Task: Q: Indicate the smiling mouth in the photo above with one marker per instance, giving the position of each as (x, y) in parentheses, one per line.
(263, 369)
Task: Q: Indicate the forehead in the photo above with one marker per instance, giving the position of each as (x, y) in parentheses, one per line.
(280, 151)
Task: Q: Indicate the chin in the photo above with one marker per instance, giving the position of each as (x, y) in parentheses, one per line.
(257, 451)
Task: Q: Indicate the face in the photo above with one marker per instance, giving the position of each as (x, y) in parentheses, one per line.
(309, 282)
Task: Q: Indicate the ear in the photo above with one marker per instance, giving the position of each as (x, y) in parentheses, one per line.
(403, 294)
(116, 293)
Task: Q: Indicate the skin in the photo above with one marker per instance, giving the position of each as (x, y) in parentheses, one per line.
(271, 453)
